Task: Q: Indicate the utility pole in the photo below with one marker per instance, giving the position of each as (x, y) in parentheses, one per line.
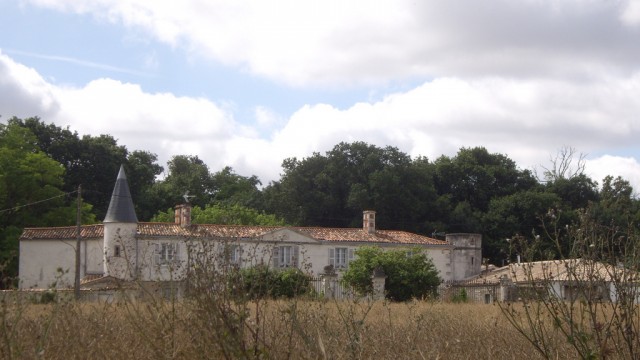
(78, 241)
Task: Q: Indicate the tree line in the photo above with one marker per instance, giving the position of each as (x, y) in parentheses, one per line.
(41, 166)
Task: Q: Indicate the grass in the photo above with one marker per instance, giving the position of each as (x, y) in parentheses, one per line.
(283, 329)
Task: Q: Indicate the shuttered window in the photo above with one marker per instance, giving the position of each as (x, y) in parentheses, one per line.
(233, 254)
(340, 257)
(285, 256)
(166, 253)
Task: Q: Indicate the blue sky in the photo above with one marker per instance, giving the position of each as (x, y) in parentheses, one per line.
(70, 49)
(249, 83)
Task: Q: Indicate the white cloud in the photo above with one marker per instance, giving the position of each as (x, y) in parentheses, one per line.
(266, 118)
(631, 13)
(23, 92)
(527, 120)
(626, 167)
(355, 42)
(162, 122)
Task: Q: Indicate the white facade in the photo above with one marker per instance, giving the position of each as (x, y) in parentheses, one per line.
(126, 250)
(47, 262)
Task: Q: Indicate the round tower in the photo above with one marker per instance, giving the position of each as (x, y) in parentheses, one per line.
(120, 227)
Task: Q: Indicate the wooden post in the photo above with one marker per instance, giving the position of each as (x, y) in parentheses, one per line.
(78, 242)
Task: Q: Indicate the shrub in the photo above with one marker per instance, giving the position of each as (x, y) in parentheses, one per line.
(258, 282)
(291, 283)
(410, 274)
(48, 297)
(254, 282)
(460, 297)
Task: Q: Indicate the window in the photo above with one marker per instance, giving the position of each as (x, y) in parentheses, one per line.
(340, 257)
(169, 290)
(285, 256)
(116, 251)
(232, 254)
(166, 253)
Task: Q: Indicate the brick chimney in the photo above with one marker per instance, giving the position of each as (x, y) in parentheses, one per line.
(369, 221)
(183, 215)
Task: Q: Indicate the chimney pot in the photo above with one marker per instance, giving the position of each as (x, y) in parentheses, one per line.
(369, 221)
(183, 215)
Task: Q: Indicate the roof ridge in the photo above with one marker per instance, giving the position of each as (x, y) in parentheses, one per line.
(60, 227)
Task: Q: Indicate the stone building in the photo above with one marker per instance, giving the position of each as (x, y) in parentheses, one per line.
(123, 250)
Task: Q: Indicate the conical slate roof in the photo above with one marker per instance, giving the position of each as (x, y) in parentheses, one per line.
(121, 206)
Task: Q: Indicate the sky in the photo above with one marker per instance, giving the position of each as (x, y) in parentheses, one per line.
(247, 84)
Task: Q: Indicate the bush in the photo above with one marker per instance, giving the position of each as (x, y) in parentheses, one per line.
(260, 281)
(291, 283)
(410, 274)
(460, 297)
(48, 297)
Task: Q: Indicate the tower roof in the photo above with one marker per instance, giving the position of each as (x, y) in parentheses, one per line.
(121, 206)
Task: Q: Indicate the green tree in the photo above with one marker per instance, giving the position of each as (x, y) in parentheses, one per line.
(187, 174)
(30, 193)
(476, 176)
(617, 206)
(517, 214)
(92, 161)
(410, 272)
(332, 190)
(575, 192)
(234, 189)
(302, 184)
(142, 169)
(224, 214)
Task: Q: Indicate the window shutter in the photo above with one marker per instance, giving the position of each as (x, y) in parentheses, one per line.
(225, 252)
(239, 254)
(176, 252)
(332, 257)
(156, 255)
(276, 257)
(351, 254)
(294, 256)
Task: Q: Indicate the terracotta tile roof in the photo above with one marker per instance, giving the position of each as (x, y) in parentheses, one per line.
(558, 270)
(100, 282)
(66, 232)
(90, 278)
(357, 234)
(239, 231)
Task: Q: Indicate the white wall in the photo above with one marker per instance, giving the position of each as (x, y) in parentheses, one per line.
(94, 256)
(123, 237)
(40, 261)
(152, 270)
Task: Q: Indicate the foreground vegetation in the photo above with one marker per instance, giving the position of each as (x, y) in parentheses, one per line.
(288, 329)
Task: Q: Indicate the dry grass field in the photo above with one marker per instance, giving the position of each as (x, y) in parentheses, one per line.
(286, 329)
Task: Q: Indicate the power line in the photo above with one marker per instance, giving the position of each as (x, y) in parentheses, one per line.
(38, 202)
